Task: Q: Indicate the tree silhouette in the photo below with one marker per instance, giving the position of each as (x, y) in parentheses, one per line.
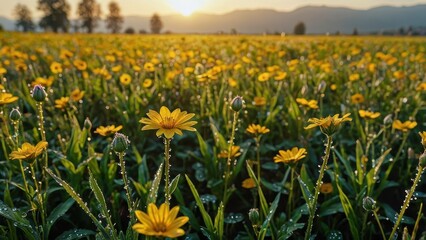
(355, 32)
(156, 24)
(89, 12)
(300, 28)
(55, 15)
(114, 20)
(23, 18)
(129, 30)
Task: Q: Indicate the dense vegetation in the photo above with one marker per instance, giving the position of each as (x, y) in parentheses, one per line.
(102, 80)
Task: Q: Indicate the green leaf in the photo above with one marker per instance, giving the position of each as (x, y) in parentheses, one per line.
(203, 147)
(174, 183)
(59, 210)
(75, 234)
(218, 137)
(219, 221)
(16, 216)
(350, 213)
(153, 192)
(80, 201)
(206, 217)
(359, 163)
(268, 219)
(263, 202)
(307, 194)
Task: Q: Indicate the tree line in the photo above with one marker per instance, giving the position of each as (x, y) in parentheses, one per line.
(56, 17)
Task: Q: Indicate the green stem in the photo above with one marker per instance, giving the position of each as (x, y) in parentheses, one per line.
(229, 161)
(127, 188)
(257, 139)
(290, 196)
(39, 197)
(27, 192)
(380, 225)
(167, 170)
(407, 201)
(313, 204)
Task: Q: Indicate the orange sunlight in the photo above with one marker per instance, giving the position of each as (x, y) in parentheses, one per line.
(186, 7)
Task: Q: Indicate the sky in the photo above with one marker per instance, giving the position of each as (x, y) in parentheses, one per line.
(186, 7)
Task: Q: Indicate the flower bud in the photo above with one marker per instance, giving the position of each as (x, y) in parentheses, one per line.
(368, 204)
(119, 143)
(388, 119)
(237, 103)
(422, 160)
(39, 94)
(254, 217)
(87, 124)
(15, 115)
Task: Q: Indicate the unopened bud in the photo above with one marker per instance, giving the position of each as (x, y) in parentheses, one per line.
(120, 143)
(388, 119)
(237, 103)
(254, 217)
(15, 115)
(368, 204)
(39, 94)
(87, 124)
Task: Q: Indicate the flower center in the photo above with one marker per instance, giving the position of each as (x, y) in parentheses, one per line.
(168, 123)
(160, 227)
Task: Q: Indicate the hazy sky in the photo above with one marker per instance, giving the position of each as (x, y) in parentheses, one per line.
(186, 7)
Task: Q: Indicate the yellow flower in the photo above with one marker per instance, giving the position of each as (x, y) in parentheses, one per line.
(357, 98)
(257, 129)
(56, 67)
(28, 152)
(399, 75)
(405, 126)
(108, 130)
(45, 82)
(259, 101)
(328, 125)
(125, 79)
(235, 152)
(160, 222)
(6, 98)
(263, 77)
(354, 77)
(232, 82)
(136, 68)
(290, 156)
(423, 136)
(421, 87)
(3, 70)
(368, 115)
(326, 188)
(147, 83)
(77, 94)
(168, 123)
(248, 183)
(280, 76)
(62, 102)
(307, 103)
(80, 64)
(116, 68)
(333, 87)
(149, 67)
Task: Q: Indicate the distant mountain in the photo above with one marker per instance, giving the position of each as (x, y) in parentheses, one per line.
(318, 19)
(7, 23)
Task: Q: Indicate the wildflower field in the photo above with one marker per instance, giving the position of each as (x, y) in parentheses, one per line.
(212, 137)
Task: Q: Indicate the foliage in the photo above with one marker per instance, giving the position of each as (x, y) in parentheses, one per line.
(114, 20)
(90, 13)
(84, 184)
(156, 24)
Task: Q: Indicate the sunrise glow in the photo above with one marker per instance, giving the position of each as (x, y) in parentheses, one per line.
(186, 7)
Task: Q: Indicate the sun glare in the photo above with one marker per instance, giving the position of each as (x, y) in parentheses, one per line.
(186, 7)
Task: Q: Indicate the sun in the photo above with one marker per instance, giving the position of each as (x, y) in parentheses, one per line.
(186, 7)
